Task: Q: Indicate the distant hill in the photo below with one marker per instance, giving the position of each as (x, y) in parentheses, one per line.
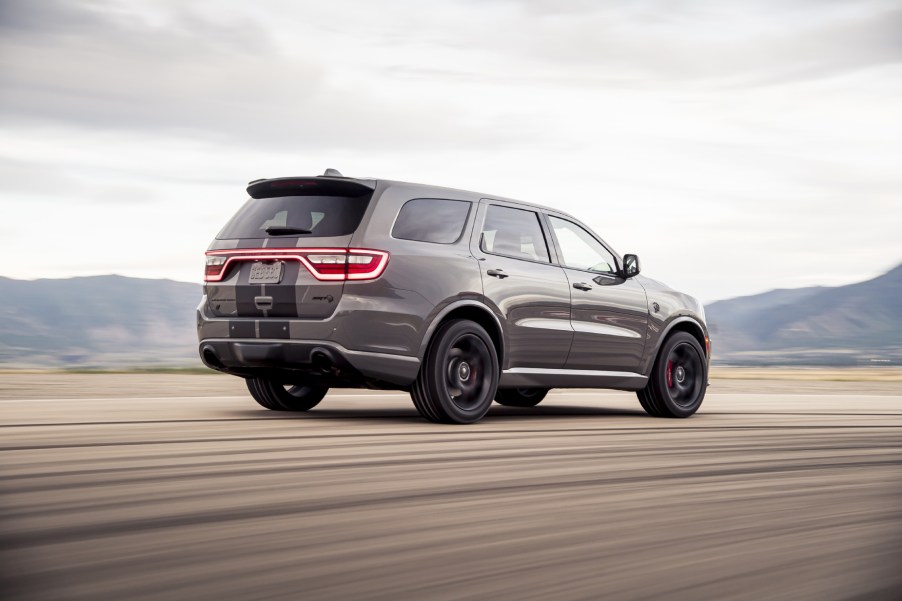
(846, 325)
(114, 321)
(104, 321)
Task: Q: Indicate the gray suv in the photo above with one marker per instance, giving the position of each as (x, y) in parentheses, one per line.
(458, 298)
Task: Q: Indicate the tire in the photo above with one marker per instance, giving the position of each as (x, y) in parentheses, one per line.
(520, 397)
(459, 375)
(678, 380)
(646, 402)
(277, 397)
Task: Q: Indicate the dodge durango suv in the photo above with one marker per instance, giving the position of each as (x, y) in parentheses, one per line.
(458, 298)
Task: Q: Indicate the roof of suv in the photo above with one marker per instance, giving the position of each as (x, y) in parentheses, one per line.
(340, 185)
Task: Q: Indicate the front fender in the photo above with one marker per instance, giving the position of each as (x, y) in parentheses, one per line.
(659, 331)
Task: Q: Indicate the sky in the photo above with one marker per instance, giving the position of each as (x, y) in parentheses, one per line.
(736, 147)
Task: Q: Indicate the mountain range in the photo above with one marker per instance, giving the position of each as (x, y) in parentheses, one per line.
(103, 321)
(114, 321)
(857, 324)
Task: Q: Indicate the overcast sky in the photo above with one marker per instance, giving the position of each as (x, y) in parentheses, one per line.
(734, 146)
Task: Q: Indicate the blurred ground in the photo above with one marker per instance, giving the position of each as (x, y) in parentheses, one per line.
(43, 384)
(178, 486)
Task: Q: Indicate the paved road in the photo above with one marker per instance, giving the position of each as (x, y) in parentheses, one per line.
(153, 495)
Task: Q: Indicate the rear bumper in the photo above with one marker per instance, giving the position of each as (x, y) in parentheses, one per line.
(317, 359)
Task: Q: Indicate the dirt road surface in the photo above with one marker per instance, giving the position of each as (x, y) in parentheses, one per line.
(180, 487)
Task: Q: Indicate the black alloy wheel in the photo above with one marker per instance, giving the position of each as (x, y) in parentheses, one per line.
(459, 375)
(679, 378)
(683, 375)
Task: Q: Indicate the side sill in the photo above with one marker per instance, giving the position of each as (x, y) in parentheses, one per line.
(529, 377)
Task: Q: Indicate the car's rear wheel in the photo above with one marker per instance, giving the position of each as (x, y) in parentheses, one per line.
(459, 375)
(678, 380)
(520, 397)
(281, 397)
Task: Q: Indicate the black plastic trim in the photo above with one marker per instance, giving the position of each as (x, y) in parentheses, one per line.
(309, 186)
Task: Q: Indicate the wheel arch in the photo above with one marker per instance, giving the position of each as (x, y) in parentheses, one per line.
(684, 323)
(474, 311)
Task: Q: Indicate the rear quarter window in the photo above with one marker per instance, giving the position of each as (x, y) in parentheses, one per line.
(433, 220)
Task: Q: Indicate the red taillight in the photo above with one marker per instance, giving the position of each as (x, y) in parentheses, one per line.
(214, 268)
(366, 264)
(326, 264)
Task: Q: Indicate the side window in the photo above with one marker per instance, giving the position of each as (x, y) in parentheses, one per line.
(579, 249)
(431, 220)
(513, 232)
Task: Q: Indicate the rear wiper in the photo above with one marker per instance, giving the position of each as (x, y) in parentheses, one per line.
(284, 230)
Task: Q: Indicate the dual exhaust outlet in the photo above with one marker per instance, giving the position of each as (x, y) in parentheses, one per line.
(322, 359)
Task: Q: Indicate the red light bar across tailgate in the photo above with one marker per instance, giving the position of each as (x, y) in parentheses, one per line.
(325, 264)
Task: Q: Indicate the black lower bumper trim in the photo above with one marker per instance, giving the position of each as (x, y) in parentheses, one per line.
(314, 358)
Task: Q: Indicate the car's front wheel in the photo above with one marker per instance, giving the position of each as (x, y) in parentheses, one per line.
(459, 375)
(520, 397)
(281, 397)
(676, 386)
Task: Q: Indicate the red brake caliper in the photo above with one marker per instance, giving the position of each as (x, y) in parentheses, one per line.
(670, 374)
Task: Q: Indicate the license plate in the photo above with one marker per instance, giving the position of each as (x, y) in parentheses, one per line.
(266, 273)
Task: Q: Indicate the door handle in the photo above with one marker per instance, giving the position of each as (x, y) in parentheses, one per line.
(497, 273)
(582, 286)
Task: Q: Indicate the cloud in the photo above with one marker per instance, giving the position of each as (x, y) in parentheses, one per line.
(89, 65)
(732, 134)
(649, 43)
(233, 79)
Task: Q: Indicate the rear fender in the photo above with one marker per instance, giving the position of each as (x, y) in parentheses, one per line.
(464, 307)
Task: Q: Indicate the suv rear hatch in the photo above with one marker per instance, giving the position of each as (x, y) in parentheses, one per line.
(286, 252)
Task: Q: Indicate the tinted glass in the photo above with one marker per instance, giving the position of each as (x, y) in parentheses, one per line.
(321, 215)
(431, 220)
(579, 249)
(513, 232)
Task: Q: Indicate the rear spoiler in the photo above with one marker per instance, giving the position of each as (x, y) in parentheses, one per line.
(310, 186)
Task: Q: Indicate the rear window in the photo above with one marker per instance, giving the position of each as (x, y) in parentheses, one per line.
(321, 215)
(431, 220)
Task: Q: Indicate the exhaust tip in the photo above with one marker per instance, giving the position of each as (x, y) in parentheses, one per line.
(208, 354)
(322, 360)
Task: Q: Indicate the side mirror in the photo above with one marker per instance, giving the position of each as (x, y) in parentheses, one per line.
(631, 266)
